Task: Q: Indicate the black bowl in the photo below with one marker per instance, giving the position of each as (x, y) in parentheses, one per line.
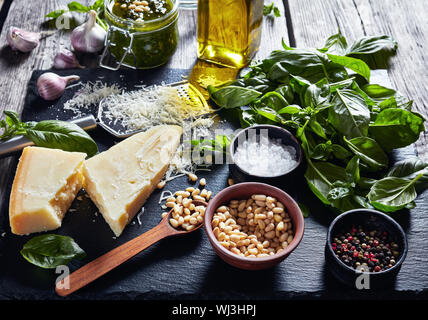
(274, 132)
(372, 220)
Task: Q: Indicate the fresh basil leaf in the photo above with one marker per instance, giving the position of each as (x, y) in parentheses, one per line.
(366, 183)
(317, 128)
(335, 44)
(56, 14)
(377, 91)
(370, 45)
(51, 250)
(12, 118)
(320, 177)
(260, 84)
(391, 194)
(98, 5)
(316, 96)
(62, 135)
(292, 109)
(357, 65)
(353, 169)
(268, 9)
(338, 193)
(232, 96)
(369, 151)
(287, 92)
(310, 65)
(273, 100)
(410, 169)
(250, 116)
(285, 46)
(340, 152)
(349, 114)
(77, 7)
(396, 128)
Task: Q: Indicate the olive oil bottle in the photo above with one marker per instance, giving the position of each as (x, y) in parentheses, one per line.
(229, 31)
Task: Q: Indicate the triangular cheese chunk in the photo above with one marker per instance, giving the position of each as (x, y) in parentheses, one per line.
(46, 183)
(120, 180)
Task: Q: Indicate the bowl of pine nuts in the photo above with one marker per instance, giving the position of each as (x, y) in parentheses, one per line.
(253, 225)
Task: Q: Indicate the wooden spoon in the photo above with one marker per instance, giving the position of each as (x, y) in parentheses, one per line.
(110, 260)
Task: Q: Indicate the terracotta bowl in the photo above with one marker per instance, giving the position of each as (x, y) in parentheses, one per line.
(244, 191)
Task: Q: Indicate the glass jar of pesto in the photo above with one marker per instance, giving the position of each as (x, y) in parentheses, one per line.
(141, 34)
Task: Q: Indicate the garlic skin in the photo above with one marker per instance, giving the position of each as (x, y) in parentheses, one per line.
(88, 37)
(65, 59)
(51, 86)
(22, 40)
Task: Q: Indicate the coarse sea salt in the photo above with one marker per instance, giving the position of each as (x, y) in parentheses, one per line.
(267, 157)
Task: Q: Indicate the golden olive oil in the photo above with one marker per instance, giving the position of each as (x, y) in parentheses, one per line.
(229, 31)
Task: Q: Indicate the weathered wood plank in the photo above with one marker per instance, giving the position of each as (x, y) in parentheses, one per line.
(402, 20)
(406, 22)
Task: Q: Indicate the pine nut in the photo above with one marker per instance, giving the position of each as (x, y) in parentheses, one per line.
(193, 177)
(259, 197)
(170, 204)
(262, 230)
(203, 182)
(174, 223)
(222, 209)
(161, 184)
(261, 203)
(198, 198)
(278, 210)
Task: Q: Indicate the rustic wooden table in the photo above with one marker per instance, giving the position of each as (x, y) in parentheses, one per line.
(302, 23)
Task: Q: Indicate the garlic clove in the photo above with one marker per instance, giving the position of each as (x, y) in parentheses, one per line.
(51, 86)
(88, 37)
(65, 59)
(22, 40)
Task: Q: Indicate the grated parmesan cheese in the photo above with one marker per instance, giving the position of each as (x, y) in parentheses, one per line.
(90, 94)
(150, 106)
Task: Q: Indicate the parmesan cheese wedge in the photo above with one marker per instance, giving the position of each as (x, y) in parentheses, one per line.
(46, 183)
(120, 180)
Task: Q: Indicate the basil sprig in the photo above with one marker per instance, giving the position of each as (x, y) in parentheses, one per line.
(53, 134)
(51, 250)
(75, 6)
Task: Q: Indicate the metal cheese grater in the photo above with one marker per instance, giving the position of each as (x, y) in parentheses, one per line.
(186, 91)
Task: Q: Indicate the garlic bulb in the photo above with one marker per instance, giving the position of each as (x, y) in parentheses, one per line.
(88, 37)
(22, 40)
(51, 86)
(65, 59)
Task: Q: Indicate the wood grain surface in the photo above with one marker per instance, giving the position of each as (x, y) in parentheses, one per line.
(313, 21)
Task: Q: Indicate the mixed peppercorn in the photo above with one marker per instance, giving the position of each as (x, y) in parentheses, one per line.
(372, 249)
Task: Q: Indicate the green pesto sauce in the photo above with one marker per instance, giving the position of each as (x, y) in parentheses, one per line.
(153, 45)
(156, 9)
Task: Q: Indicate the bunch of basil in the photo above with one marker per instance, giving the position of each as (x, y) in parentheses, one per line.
(346, 125)
(55, 134)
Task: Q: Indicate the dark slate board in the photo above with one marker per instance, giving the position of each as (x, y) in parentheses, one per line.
(186, 267)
